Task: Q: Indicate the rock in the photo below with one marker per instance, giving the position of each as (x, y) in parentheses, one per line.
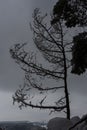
(81, 126)
(84, 128)
(59, 123)
(85, 122)
(75, 119)
(85, 117)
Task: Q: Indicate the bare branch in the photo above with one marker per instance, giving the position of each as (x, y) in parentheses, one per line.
(18, 99)
(34, 85)
(39, 70)
(38, 22)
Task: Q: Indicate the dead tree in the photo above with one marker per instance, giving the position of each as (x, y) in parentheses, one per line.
(50, 41)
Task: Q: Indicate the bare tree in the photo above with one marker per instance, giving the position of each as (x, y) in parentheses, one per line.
(51, 42)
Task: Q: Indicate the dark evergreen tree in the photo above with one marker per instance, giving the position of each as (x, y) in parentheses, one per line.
(74, 14)
(79, 53)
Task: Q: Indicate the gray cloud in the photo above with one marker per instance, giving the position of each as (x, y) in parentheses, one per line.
(14, 28)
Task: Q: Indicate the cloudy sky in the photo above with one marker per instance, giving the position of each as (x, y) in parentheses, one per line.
(15, 16)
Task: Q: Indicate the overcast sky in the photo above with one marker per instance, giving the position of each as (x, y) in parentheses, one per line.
(15, 16)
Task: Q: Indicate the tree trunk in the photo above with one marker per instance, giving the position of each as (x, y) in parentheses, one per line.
(66, 88)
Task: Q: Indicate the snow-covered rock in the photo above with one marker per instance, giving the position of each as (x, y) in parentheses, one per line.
(59, 123)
